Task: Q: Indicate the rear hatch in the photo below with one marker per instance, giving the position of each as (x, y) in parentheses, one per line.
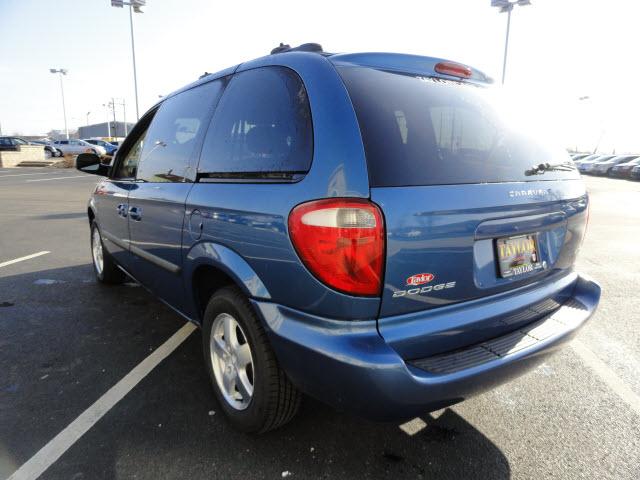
(466, 218)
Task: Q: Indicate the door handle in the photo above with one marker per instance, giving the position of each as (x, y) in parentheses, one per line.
(135, 213)
(123, 208)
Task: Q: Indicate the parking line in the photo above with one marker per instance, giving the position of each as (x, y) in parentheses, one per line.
(47, 455)
(56, 178)
(16, 260)
(608, 376)
(23, 174)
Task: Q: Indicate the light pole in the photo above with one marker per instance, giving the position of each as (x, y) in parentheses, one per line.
(106, 107)
(134, 7)
(507, 6)
(600, 116)
(62, 71)
(88, 113)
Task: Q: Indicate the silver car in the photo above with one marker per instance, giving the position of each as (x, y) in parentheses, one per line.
(603, 168)
(75, 147)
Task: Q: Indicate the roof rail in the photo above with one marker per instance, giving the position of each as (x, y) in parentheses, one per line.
(305, 47)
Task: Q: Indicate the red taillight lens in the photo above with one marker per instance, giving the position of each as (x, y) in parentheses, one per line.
(454, 69)
(342, 242)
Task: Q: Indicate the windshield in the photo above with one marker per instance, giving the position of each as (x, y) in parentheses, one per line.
(428, 131)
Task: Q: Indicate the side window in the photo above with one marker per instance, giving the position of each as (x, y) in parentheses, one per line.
(174, 133)
(19, 141)
(128, 166)
(262, 124)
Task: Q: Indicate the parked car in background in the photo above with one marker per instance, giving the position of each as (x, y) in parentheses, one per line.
(635, 173)
(76, 146)
(603, 168)
(588, 158)
(109, 147)
(345, 226)
(14, 142)
(48, 147)
(579, 156)
(585, 166)
(623, 170)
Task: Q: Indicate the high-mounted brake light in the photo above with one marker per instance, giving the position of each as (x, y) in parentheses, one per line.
(341, 241)
(454, 69)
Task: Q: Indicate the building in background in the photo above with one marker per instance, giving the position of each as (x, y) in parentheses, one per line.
(112, 129)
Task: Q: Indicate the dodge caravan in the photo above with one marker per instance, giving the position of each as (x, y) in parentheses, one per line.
(370, 229)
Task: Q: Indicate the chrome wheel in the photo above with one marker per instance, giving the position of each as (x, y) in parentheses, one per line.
(231, 361)
(96, 251)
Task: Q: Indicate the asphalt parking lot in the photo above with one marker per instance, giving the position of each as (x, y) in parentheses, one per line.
(65, 341)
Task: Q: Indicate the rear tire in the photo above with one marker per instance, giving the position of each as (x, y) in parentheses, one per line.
(273, 400)
(104, 266)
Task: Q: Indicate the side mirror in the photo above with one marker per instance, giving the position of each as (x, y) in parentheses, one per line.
(90, 163)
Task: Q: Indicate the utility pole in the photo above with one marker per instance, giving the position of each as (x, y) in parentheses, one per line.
(112, 104)
(115, 124)
(124, 117)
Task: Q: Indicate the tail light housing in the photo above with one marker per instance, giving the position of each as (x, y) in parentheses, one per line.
(341, 241)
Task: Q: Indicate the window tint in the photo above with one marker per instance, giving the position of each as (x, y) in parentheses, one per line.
(5, 142)
(19, 141)
(174, 132)
(423, 131)
(262, 124)
(128, 166)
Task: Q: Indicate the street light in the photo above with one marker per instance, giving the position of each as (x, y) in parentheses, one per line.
(507, 6)
(62, 71)
(134, 7)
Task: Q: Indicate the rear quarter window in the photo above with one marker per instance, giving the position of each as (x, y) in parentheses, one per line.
(262, 124)
(428, 131)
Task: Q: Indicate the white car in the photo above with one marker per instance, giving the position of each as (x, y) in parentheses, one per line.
(75, 147)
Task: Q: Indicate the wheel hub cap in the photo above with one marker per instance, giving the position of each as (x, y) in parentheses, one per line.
(232, 361)
(96, 250)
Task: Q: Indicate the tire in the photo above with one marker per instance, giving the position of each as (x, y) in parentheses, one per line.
(274, 400)
(47, 154)
(104, 266)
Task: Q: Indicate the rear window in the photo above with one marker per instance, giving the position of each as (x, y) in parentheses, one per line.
(428, 131)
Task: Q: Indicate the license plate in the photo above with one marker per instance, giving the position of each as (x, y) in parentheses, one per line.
(517, 255)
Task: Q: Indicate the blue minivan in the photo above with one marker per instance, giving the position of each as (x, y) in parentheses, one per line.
(368, 229)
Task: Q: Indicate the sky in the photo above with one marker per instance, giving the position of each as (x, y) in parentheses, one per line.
(559, 51)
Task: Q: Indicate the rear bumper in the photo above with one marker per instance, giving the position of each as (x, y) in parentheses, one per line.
(350, 366)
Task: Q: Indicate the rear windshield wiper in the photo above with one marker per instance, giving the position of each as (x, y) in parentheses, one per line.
(548, 167)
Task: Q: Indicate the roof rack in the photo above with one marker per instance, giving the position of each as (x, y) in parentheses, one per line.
(305, 47)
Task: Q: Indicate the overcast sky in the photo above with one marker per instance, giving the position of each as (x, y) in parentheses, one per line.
(560, 50)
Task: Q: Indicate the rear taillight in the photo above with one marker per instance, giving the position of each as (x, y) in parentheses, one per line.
(341, 241)
(453, 69)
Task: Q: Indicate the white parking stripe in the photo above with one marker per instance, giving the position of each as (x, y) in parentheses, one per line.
(16, 260)
(57, 178)
(36, 465)
(607, 375)
(23, 174)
